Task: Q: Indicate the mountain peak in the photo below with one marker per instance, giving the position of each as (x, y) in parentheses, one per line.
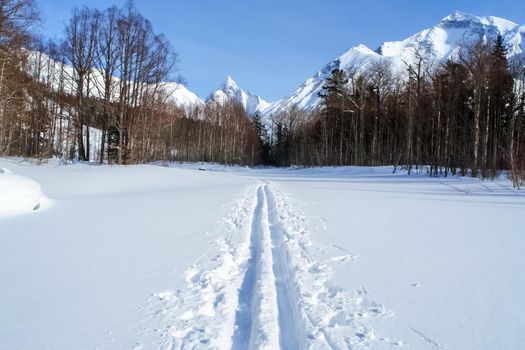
(461, 18)
(362, 48)
(230, 84)
(230, 91)
(458, 16)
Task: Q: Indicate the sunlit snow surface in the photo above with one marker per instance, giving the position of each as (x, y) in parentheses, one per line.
(19, 195)
(152, 257)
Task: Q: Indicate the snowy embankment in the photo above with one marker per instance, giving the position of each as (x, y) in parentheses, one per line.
(149, 257)
(19, 194)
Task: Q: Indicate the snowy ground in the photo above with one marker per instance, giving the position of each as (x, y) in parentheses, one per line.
(150, 257)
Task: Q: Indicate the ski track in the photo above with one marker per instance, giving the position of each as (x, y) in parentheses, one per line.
(263, 289)
(427, 338)
(256, 325)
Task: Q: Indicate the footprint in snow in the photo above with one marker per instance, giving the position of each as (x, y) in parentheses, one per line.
(318, 268)
(343, 258)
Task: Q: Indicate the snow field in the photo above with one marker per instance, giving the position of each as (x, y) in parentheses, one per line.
(442, 253)
(78, 276)
(149, 257)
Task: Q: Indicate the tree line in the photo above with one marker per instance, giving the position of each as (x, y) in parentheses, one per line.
(464, 116)
(101, 94)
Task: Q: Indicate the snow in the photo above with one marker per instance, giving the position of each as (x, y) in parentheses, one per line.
(442, 254)
(18, 194)
(459, 17)
(172, 257)
(78, 275)
(230, 91)
(181, 96)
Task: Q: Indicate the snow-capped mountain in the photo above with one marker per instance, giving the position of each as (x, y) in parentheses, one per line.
(230, 91)
(181, 96)
(437, 44)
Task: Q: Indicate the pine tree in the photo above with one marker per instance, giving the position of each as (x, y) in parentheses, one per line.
(335, 88)
(499, 51)
(500, 94)
(334, 95)
(262, 135)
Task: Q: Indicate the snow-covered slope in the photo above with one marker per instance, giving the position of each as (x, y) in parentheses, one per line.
(306, 96)
(443, 40)
(181, 96)
(53, 73)
(437, 44)
(230, 91)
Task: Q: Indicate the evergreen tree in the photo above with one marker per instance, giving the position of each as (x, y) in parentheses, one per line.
(499, 51)
(335, 88)
(262, 135)
(499, 113)
(334, 96)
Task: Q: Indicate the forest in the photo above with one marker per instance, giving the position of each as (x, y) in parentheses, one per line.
(465, 117)
(108, 76)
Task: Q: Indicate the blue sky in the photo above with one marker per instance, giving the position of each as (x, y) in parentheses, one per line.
(272, 46)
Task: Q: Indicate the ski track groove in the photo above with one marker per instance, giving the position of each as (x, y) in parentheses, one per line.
(267, 311)
(255, 323)
(268, 292)
(288, 302)
(243, 316)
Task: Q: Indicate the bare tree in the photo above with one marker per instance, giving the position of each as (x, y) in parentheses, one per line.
(80, 51)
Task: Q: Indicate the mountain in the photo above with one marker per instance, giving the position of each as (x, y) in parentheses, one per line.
(181, 96)
(229, 90)
(437, 44)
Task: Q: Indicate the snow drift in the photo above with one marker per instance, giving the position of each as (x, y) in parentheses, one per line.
(18, 194)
